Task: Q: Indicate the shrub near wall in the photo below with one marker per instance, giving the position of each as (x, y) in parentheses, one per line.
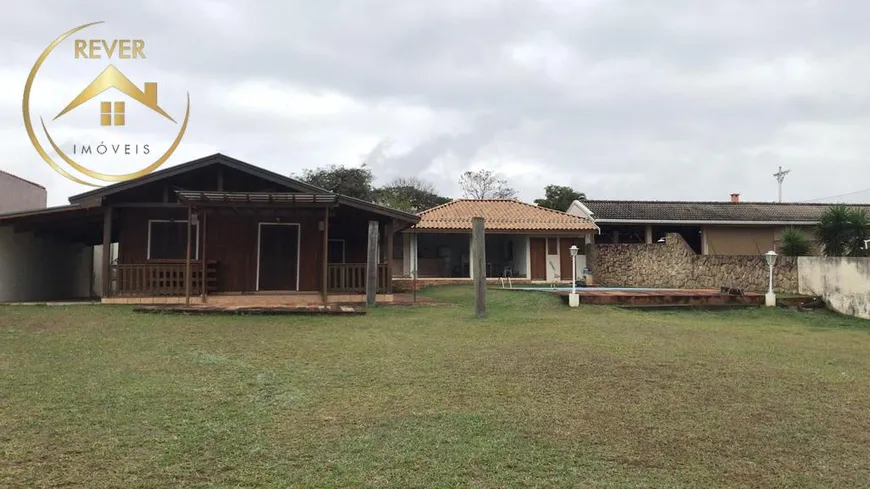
(673, 264)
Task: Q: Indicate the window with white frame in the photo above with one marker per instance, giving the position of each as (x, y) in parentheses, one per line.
(167, 240)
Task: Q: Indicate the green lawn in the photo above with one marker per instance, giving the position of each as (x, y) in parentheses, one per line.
(536, 395)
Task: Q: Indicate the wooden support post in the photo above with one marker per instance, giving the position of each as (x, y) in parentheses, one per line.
(372, 264)
(413, 248)
(326, 255)
(203, 257)
(187, 259)
(478, 254)
(388, 231)
(107, 252)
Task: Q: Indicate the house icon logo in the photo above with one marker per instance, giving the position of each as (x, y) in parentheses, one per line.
(113, 113)
(120, 103)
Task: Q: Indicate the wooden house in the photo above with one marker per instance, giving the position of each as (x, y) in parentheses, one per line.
(219, 230)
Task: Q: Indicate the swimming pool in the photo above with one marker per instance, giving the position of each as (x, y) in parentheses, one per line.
(592, 289)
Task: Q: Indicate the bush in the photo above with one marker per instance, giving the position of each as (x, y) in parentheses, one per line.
(794, 243)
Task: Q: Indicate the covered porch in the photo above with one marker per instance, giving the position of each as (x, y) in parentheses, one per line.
(449, 255)
(246, 248)
(522, 241)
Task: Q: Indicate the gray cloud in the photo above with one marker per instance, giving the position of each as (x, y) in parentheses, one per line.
(673, 99)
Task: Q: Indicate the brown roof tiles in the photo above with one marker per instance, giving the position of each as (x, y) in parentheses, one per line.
(500, 214)
(615, 211)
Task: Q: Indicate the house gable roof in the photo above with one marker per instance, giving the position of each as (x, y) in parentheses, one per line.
(638, 211)
(218, 158)
(500, 214)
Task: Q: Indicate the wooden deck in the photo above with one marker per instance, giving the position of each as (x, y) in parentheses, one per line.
(203, 309)
(253, 299)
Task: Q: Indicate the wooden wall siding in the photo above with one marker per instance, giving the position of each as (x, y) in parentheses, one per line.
(538, 256)
(351, 225)
(232, 242)
(132, 230)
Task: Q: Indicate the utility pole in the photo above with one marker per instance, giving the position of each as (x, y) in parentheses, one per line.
(780, 176)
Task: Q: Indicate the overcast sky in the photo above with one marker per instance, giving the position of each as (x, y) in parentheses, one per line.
(663, 99)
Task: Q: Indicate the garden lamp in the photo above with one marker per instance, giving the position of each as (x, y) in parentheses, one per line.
(573, 297)
(574, 268)
(770, 298)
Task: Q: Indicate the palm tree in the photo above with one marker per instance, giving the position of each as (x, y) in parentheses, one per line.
(859, 230)
(842, 231)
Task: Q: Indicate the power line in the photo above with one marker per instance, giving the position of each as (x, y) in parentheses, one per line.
(835, 196)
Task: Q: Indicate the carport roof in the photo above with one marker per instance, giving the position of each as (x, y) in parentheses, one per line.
(74, 222)
(499, 215)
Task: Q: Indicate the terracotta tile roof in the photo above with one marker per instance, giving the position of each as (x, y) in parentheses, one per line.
(604, 211)
(500, 214)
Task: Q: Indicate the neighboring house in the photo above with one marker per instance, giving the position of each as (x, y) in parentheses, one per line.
(252, 233)
(522, 240)
(18, 194)
(710, 228)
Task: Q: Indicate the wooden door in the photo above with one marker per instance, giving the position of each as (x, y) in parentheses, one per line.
(278, 257)
(538, 257)
(565, 254)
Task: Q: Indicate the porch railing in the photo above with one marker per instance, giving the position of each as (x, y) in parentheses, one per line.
(161, 279)
(351, 278)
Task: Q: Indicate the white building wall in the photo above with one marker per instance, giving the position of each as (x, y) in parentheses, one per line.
(17, 194)
(41, 269)
(406, 253)
(554, 266)
(844, 283)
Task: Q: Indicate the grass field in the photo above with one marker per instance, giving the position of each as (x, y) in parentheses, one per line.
(536, 395)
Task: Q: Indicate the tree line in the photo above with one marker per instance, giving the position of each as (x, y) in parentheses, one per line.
(412, 194)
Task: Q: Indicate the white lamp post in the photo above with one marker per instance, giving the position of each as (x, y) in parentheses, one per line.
(574, 299)
(770, 297)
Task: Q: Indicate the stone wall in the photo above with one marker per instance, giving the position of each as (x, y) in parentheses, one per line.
(673, 264)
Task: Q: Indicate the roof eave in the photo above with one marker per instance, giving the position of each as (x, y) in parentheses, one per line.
(98, 194)
(95, 197)
(43, 211)
(702, 221)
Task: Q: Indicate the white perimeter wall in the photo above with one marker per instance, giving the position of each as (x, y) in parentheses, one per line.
(40, 269)
(844, 283)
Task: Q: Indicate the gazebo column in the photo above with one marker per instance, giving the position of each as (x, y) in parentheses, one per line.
(203, 256)
(107, 252)
(187, 258)
(325, 277)
(388, 230)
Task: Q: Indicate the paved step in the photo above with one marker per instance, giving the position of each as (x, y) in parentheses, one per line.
(687, 307)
